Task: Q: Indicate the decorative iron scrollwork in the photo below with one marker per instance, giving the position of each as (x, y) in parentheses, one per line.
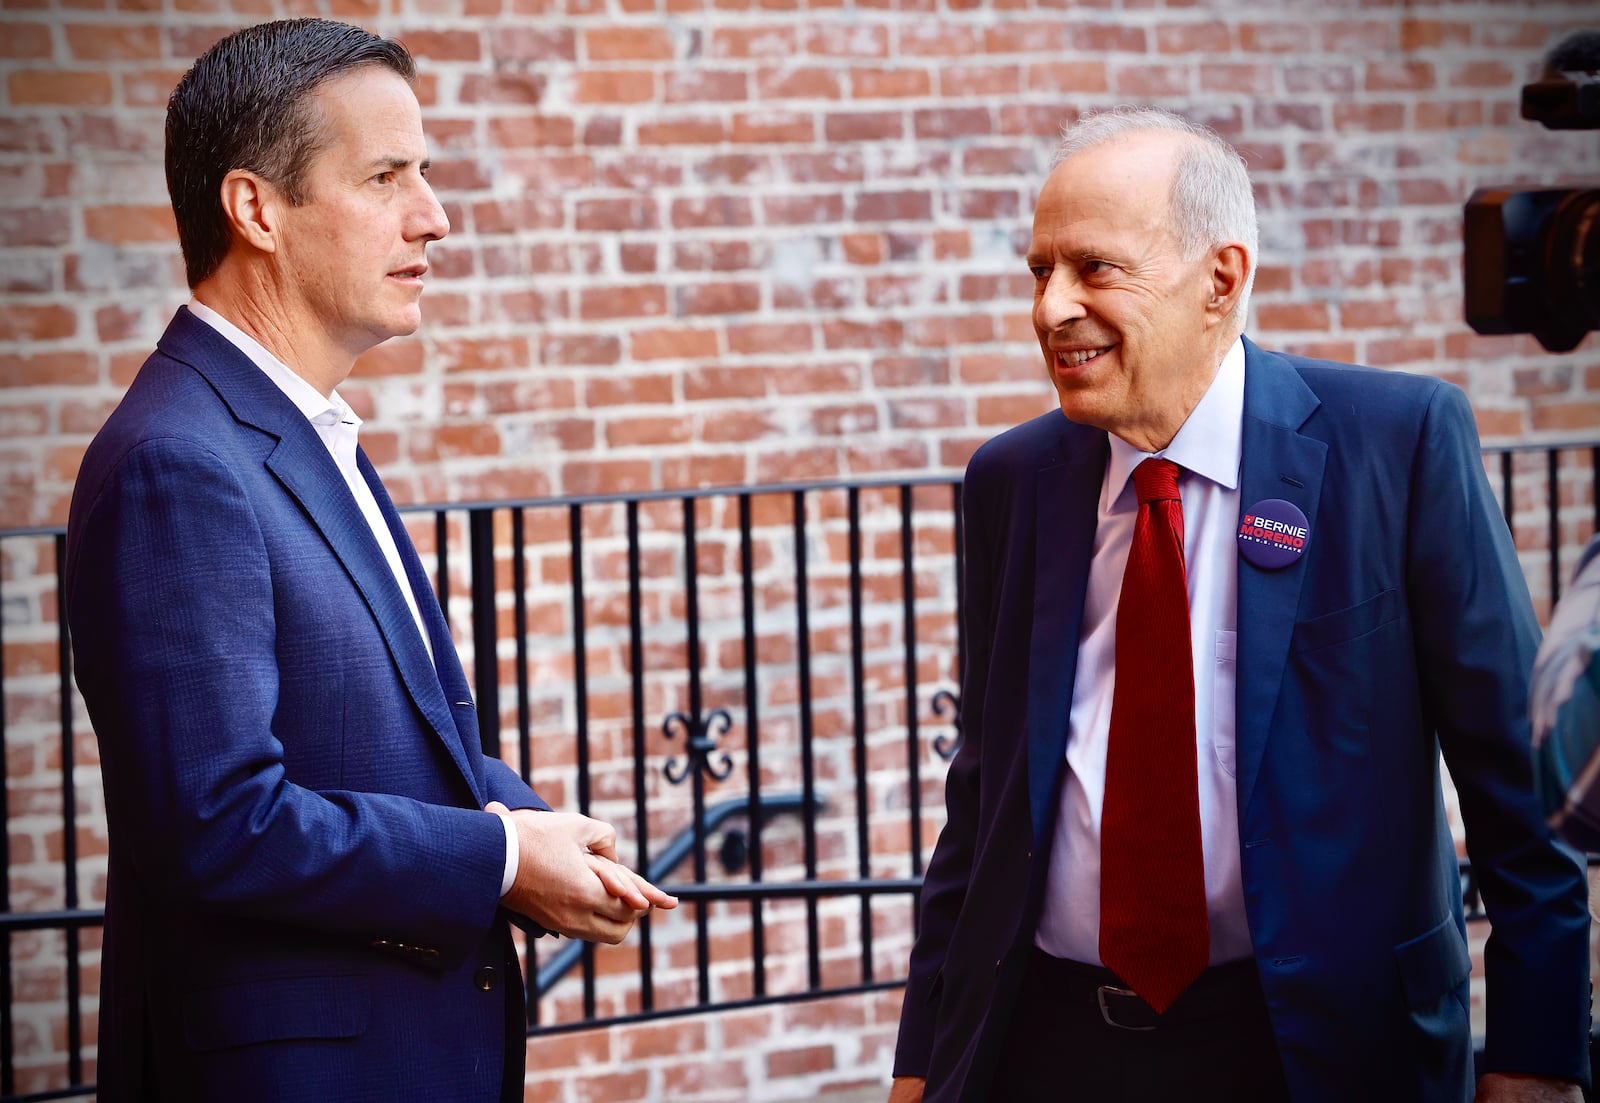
(947, 745)
(700, 740)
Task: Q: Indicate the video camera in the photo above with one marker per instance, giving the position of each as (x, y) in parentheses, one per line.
(1532, 256)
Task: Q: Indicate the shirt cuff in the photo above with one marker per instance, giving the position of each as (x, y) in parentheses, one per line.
(513, 855)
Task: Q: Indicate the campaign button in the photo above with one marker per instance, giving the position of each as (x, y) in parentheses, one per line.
(1273, 533)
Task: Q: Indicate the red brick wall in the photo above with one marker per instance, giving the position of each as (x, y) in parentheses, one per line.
(714, 244)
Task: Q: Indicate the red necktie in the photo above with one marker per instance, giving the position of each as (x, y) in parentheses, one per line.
(1153, 929)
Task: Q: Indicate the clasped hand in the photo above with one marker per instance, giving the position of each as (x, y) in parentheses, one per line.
(569, 880)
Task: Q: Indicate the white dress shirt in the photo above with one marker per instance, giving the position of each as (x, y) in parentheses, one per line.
(1207, 448)
(338, 426)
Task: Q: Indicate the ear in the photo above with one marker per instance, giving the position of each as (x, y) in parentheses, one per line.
(252, 205)
(1230, 267)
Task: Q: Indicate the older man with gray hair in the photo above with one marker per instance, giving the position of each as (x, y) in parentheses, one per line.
(1226, 608)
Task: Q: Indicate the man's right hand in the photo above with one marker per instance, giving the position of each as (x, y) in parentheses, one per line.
(568, 880)
(906, 1089)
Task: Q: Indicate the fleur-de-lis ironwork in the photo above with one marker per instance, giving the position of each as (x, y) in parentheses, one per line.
(700, 740)
(946, 745)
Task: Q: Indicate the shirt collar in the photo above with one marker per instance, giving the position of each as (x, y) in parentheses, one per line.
(1208, 443)
(320, 410)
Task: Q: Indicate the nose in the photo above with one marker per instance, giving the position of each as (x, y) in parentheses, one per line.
(430, 223)
(1060, 302)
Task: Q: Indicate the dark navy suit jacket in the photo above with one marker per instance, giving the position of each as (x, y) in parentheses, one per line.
(1405, 628)
(303, 887)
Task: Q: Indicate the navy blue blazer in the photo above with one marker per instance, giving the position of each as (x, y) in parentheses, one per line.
(1404, 629)
(303, 889)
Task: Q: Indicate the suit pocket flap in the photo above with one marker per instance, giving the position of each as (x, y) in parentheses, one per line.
(1347, 624)
(276, 1010)
(1433, 964)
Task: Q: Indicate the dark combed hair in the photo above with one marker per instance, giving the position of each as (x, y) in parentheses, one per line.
(247, 104)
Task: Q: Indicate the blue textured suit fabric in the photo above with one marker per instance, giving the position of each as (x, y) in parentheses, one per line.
(1404, 629)
(303, 889)
(1566, 708)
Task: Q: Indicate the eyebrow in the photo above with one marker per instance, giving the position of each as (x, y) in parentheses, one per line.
(394, 162)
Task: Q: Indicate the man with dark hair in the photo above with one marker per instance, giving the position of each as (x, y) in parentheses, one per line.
(1225, 609)
(313, 863)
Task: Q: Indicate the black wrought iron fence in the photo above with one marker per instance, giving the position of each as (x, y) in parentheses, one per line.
(758, 687)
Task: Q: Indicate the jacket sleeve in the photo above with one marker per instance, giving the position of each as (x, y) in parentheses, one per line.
(170, 596)
(1476, 635)
(944, 886)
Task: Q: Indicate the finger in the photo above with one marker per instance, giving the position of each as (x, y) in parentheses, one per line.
(658, 898)
(496, 807)
(618, 882)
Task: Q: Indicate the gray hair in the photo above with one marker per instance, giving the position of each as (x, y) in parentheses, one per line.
(1211, 199)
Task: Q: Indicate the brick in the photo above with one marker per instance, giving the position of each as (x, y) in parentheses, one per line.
(773, 126)
(863, 126)
(612, 215)
(980, 80)
(706, 86)
(717, 381)
(36, 323)
(50, 369)
(1391, 76)
(802, 210)
(893, 206)
(1151, 81)
(87, 42)
(711, 212)
(122, 225)
(27, 41)
(511, 42)
(1292, 316)
(597, 303)
(614, 86)
(673, 343)
(799, 83)
(522, 88)
(59, 88)
(874, 84)
(718, 298)
(628, 44)
(22, 227)
(712, 256)
(1360, 37)
(703, 130)
(754, 42)
(1194, 38)
(581, 349)
(850, 40)
(930, 38)
(801, 1061)
(443, 45)
(959, 122)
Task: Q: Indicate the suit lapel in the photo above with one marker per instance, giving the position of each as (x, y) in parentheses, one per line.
(461, 717)
(1276, 462)
(1067, 496)
(301, 463)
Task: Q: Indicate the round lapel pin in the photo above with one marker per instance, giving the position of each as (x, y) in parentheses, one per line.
(1273, 533)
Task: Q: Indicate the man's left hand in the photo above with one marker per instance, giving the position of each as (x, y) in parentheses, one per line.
(1511, 1087)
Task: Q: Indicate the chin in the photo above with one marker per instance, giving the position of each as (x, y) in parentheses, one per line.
(1081, 406)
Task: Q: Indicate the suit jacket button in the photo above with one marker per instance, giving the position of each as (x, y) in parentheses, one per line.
(484, 979)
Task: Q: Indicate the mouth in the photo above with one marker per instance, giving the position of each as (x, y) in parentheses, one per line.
(1071, 359)
(411, 273)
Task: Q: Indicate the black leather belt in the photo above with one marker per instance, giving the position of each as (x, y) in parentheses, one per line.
(1231, 988)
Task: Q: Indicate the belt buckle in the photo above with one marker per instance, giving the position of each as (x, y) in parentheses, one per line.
(1105, 1010)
